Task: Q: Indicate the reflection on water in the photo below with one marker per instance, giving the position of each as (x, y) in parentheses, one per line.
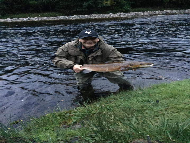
(30, 85)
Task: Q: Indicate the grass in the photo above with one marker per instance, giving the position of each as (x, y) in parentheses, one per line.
(160, 113)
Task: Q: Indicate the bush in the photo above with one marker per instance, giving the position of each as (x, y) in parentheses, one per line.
(64, 6)
(43, 5)
(92, 6)
(177, 3)
(160, 3)
(70, 7)
(12, 6)
(121, 6)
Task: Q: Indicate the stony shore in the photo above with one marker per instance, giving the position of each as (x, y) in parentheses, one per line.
(98, 16)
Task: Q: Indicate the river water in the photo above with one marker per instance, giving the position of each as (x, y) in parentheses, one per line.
(30, 85)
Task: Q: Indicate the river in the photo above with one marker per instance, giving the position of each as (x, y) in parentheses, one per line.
(31, 86)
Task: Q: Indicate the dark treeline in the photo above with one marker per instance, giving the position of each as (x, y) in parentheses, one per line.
(69, 7)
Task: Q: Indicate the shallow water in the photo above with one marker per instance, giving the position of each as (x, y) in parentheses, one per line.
(30, 85)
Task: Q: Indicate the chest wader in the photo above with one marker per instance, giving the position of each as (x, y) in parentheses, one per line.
(84, 81)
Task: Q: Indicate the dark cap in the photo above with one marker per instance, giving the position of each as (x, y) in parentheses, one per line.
(87, 33)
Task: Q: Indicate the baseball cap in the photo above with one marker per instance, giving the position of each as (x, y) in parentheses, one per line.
(87, 33)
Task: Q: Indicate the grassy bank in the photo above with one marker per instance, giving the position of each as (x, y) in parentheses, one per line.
(160, 113)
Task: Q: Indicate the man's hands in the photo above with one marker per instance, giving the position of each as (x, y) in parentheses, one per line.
(77, 68)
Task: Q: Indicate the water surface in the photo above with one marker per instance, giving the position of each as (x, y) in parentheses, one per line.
(30, 85)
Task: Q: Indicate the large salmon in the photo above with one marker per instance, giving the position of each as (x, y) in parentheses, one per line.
(122, 66)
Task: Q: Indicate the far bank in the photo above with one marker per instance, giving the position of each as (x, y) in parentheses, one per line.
(93, 17)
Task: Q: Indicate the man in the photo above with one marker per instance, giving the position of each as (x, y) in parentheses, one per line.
(90, 48)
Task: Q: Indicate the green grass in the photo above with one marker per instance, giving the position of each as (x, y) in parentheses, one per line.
(161, 111)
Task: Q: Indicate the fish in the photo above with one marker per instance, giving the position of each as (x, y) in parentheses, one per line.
(117, 66)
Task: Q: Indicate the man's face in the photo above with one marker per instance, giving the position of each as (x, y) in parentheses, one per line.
(89, 42)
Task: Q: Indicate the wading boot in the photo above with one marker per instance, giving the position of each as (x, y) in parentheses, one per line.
(125, 87)
(86, 94)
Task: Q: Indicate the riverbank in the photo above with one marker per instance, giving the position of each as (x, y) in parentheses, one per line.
(156, 114)
(31, 86)
(98, 16)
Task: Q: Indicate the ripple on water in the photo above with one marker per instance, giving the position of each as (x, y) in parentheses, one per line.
(28, 79)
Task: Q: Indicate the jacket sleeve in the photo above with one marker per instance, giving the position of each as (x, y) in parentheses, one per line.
(61, 56)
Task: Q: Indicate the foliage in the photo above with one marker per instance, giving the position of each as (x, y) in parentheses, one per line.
(160, 3)
(12, 6)
(70, 7)
(63, 6)
(84, 6)
(42, 5)
(120, 5)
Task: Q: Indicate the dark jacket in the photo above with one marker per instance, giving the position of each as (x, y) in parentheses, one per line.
(71, 54)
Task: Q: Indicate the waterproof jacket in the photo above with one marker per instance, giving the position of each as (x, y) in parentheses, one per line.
(71, 54)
